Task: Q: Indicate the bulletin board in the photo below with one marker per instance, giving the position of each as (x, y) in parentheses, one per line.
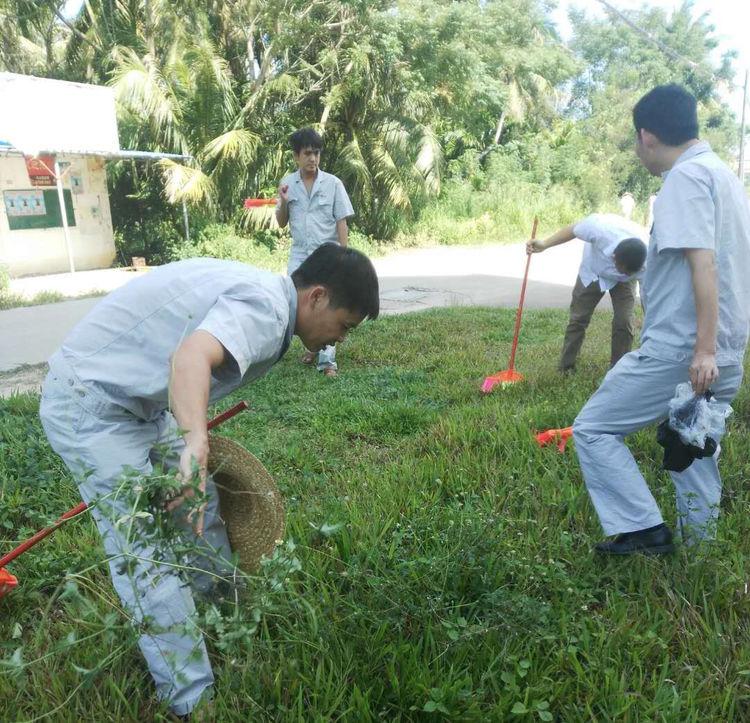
(37, 208)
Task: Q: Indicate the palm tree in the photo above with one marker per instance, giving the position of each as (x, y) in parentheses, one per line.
(33, 37)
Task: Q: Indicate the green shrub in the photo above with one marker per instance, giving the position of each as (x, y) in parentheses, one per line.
(223, 241)
(502, 212)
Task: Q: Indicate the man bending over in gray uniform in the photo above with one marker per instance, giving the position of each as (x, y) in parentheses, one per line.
(144, 364)
(613, 260)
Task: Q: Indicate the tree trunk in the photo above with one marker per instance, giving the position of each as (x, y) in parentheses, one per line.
(251, 54)
(499, 129)
(324, 118)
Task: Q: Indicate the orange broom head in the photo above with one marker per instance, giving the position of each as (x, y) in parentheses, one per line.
(504, 378)
(561, 436)
(7, 581)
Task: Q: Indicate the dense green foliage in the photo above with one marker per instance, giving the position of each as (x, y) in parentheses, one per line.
(411, 96)
(442, 565)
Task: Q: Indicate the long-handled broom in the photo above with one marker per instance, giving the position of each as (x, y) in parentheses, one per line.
(510, 375)
(8, 581)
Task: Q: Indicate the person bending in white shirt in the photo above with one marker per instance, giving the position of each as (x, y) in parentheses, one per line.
(613, 260)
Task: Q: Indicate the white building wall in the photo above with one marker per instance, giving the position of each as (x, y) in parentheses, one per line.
(42, 251)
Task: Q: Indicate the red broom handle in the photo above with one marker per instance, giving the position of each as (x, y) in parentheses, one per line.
(231, 412)
(13, 554)
(519, 312)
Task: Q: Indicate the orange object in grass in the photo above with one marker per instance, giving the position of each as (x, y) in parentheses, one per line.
(561, 436)
(7, 582)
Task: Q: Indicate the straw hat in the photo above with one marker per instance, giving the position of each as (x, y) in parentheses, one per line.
(249, 501)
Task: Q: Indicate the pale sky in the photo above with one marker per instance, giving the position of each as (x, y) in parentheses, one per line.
(731, 19)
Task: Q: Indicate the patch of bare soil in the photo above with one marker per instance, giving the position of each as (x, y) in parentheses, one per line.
(27, 378)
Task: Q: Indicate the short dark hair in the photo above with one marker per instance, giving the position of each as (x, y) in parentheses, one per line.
(305, 138)
(631, 254)
(348, 275)
(669, 112)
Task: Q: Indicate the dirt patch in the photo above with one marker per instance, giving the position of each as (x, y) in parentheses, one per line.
(27, 378)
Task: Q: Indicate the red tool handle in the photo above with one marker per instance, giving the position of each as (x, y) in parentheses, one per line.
(231, 412)
(13, 554)
(519, 312)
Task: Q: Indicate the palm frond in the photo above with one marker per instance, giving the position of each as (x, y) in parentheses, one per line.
(184, 183)
(140, 87)
(353, 165)
(386, 172)
(238, 145)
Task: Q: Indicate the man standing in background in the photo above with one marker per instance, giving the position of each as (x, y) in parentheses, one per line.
(316, 207)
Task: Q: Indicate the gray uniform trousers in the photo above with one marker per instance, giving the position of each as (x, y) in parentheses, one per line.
(582, 305)
(97, 440)
(635, 394)
(327, 356)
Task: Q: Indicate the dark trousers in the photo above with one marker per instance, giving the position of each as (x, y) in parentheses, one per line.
(582, 305)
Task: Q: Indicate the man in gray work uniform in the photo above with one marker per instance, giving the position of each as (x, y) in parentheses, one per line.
(697, 298)
(613, 260)
(145, 363)
(316, 207)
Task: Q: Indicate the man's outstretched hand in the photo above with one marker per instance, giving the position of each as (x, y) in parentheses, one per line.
(534, 246)
(195, 455)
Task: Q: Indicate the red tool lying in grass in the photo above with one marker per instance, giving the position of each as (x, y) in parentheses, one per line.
(561, 436)
(510, 375)
(8, 581)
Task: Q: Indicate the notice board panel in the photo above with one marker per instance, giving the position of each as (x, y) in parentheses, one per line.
(51, 218)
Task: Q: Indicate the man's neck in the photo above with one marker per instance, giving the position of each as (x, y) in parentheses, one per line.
(308, 175)
(671, 154)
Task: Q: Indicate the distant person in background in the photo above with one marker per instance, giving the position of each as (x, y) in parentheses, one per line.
(613, 260)
(627, 204)
(316, 207)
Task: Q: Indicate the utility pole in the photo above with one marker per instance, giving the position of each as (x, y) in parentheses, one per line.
(64, 214)
(741, 165)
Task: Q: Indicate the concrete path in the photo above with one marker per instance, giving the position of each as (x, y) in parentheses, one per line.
(477, 276)
(100, 281)
(410, 281)
(31, 334)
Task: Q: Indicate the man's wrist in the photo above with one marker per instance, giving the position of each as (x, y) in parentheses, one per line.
(197, 437)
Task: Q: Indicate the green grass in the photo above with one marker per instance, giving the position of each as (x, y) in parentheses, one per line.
(445, 559)
(14, 301)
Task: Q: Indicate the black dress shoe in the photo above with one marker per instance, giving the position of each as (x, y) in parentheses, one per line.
(651, 541)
